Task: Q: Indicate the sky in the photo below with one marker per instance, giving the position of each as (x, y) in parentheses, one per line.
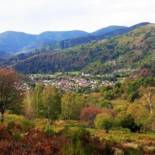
(36, 16)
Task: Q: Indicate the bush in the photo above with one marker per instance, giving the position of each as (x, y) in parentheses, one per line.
(109, 95)
(10, 125)
(132, 96)
(16, 136)
(26, 124)
(106, 104)
(77, 137)
(48, 130)
(107, 92)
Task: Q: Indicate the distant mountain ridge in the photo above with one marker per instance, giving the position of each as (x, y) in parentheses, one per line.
(19, 42)
(13, 42)
(108, 29)
(104, 33)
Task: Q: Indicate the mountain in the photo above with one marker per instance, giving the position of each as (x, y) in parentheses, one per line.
(104, 33)
(138, 25)
(13, 42)
(61, 35)
(131, 50)
(18, 42)
(108, 29)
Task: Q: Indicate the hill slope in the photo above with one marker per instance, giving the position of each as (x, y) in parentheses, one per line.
(132, 50)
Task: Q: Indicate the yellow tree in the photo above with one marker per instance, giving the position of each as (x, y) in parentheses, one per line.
(52, 102)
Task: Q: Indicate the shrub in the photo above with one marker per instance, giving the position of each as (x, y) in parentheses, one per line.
(16, 136)
(26, 124)
(77, 137)
(11, 125)
(106, 104)
(107, 92)
(132, 96)
(48, 130)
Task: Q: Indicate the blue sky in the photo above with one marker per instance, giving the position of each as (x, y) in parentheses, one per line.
(35, 16)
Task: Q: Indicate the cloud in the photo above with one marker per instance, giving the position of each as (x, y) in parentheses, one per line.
(36, 16)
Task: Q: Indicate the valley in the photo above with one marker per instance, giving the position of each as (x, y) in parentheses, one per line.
(75, 93)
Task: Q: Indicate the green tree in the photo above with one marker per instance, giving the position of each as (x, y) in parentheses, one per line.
(71, 105)
(104, 121)
(140, 116)
(129, 122)
(37, 100)
(52, 102)
(28, 107)
(106, 104)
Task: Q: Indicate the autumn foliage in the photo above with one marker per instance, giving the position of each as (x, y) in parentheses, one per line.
(10, 89)
(33, 142)
(89, 114)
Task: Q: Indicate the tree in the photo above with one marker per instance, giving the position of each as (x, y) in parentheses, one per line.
(10, 89)
(52, 102)
(148, 89)
(106, 104)
(28, 108)
(72, 105)
(149, 92)
(89, 113)
(42, 101)
(108, 93)
(141, 115)
(37, 100)
(104, 120)
(129, 122)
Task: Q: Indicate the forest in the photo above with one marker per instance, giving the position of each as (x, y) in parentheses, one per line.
(43, 120)
(131, 50)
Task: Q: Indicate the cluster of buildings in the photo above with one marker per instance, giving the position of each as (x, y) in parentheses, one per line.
(70, 82)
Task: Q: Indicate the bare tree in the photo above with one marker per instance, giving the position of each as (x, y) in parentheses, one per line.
(149, 92)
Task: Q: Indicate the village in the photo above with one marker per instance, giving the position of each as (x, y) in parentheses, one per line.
(72, 81)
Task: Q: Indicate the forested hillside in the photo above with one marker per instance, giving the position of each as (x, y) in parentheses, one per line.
(129, 51)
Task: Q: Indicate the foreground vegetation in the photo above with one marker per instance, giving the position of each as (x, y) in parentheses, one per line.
(22, 136)
(42, 119)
